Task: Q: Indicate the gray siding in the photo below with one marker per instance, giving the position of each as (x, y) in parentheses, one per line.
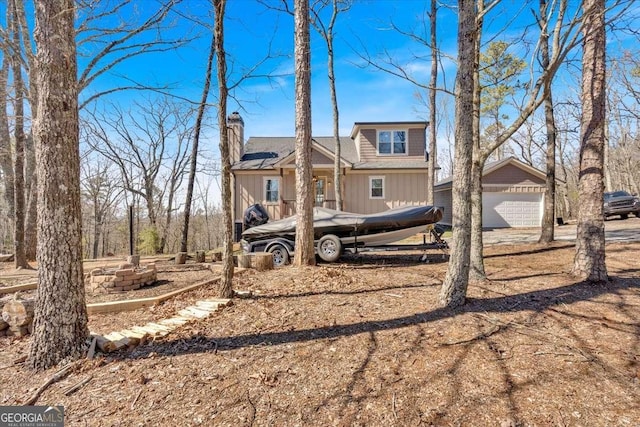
(320, 159)
(511, 175)
(399, 190)
(417, 142)
(443, 198)
(250, 190)
(368, 145)
(368, 150)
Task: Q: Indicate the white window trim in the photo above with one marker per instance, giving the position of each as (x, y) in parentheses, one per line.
(371, 197)
(406, 142)
(264, 189)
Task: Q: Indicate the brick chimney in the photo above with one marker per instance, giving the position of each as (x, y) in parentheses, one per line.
(235, 127)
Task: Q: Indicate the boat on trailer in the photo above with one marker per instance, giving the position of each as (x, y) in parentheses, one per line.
(335, 231)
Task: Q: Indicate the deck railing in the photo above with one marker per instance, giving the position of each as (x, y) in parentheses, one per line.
(289, 206)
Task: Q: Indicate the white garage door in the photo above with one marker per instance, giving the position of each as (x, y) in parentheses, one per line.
(511, 209)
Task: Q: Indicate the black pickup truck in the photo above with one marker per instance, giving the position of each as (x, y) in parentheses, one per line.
(621, 203)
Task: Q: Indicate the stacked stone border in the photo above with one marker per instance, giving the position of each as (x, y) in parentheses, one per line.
(123, 279)
(137, 335)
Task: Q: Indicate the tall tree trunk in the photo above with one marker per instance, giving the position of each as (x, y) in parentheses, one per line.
(326, 32)
(589, 262)
(5, 137)
(454, 287)
(31, 181)
(18, 168)
(433, 81)
(97, 228)
(196, 141)
(304, 190)
(477, 271)
(563, 184)
(226, 290)
(31, 187)
(477, 245)
(607, 166)
(547, 233)
(60, 318)
(337, 161)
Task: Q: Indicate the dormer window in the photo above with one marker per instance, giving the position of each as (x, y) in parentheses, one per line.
(392, 142)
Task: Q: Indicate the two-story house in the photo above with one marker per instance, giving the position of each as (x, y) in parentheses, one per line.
(383, 165)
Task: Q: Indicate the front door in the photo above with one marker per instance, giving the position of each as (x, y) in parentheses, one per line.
(319, 188)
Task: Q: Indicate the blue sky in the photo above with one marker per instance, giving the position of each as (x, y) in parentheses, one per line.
(267, 105)
(364, 94)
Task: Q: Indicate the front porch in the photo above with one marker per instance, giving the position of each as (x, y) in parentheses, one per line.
(324, 194)
(288, 206)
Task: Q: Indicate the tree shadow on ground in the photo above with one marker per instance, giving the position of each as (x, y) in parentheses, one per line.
(554, 302)
(381, 260)
(532, 251)
(536, 301)
(369, 290)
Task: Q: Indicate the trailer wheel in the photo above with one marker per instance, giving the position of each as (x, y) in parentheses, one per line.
(280, 255)
(329, 248)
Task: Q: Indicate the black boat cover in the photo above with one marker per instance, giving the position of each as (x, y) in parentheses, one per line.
(343, 224)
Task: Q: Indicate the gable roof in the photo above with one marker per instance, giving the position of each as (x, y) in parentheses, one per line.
(493, 166)
(270, 152)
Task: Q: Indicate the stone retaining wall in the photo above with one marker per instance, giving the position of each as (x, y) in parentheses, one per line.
(124, 278)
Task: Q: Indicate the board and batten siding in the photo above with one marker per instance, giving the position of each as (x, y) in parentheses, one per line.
(318, 158)
(400, 189)
(443, 198)
(511, 175)
(251, 188)
(367, 141)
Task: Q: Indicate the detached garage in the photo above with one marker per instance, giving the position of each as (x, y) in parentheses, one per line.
(512, 195)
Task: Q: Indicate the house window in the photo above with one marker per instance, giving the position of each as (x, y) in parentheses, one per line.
(376, 187)
(392, 142)
(271, 190)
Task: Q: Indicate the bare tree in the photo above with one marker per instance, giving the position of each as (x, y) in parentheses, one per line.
(102, 193)
(388, 62)
(31, 180)
(548, 217)
(139, 145)
(106, 46)
(196, 142)
(60, 317)
(6, 166)
(589, 262)
(566, 35)
(622, 148)
(454, 287)
(433, 81)
(226, 290)
(477, 164)
(19, 141)
(305, 254)
(327, 34)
